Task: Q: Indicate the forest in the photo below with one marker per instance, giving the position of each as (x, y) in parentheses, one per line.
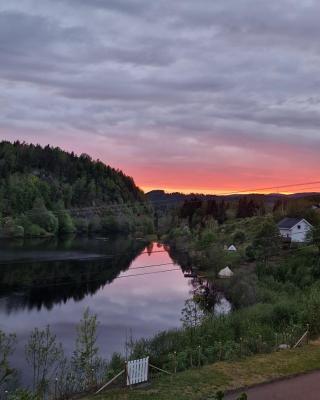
(45, 191)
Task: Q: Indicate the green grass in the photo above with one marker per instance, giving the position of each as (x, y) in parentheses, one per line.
(202, 383)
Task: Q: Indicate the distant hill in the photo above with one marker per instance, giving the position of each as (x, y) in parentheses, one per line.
(160, 198)
(35, 179)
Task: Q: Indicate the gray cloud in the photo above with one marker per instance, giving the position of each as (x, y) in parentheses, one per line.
(200, 74)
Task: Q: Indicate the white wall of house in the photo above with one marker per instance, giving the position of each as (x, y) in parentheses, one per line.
(297, 233)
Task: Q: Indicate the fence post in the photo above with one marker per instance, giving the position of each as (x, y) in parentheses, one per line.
(308, 333)
(199, 356)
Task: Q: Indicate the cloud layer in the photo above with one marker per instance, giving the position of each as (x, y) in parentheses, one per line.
(186, 95)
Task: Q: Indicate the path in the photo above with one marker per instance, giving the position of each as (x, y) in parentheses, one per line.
(303, 387)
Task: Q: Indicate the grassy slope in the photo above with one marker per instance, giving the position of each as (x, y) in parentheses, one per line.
(203, 383)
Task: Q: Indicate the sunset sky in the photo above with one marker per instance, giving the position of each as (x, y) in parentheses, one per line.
(183, 95)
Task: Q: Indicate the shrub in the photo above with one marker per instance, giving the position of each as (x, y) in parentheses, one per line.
(11, 229)
(34, 230)
(239, 237)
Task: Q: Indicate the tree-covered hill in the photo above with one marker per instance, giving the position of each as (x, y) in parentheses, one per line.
(37, 185)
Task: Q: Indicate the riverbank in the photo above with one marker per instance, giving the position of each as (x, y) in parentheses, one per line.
(203, 383)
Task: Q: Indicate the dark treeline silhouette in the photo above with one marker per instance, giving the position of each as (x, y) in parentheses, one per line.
(44, 284)
(249, 207)
(204, 208)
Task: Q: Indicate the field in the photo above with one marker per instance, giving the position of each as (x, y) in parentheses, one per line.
(203, 383)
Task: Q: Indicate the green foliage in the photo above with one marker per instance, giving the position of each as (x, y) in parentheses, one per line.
(239, 237)
(207, 237)
(267, 241)
(23, 394)
(33, 230)
(37, 185)
(7, 343)
(315, 236)
(85, 358)
(115, 365)
(250, 253)
(65, 222)
(311, 306)
(39, 215)
(11, 229)
(219, 395)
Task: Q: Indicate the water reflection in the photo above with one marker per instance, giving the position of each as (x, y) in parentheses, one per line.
(207, 292)
(71, 270)
(56, 293)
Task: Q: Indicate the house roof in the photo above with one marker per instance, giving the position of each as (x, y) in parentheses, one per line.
(288, 223)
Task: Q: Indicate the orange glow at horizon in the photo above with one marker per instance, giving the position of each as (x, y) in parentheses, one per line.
(227, 192)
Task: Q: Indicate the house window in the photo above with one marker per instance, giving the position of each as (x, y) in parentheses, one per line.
(299, 226)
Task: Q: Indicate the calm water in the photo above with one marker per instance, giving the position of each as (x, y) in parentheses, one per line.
(56, 290)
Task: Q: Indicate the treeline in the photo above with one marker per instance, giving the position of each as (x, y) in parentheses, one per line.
(196, 210)
(38, 184)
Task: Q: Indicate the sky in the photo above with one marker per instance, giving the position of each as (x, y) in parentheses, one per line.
(183, 95)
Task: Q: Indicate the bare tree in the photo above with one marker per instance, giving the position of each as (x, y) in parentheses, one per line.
(44, 355)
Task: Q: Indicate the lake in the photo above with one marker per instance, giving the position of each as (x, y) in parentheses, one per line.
(134, 289)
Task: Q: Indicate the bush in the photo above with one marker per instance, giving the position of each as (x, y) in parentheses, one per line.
(110, 224)
(42, 217)
(115, 365)
(34, 230)
(250, 253)
(239, 237)
(65, 221)
(11, 229)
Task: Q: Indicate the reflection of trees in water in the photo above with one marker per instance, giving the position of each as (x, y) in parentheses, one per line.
(37, 285)
(205, 292)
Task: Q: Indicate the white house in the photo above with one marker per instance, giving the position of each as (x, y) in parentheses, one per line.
(295, 229)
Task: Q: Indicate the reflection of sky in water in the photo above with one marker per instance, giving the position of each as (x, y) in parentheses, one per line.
(144, 304)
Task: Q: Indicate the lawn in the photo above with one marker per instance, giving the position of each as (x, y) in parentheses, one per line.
(202, 383)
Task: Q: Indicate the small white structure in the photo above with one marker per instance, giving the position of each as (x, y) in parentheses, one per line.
(137, 371)
(232, 248)
(295, 229)
(225, 273)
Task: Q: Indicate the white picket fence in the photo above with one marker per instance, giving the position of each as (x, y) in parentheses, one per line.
(137, 371)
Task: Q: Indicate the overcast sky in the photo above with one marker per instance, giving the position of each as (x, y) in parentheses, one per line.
(181, 94)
